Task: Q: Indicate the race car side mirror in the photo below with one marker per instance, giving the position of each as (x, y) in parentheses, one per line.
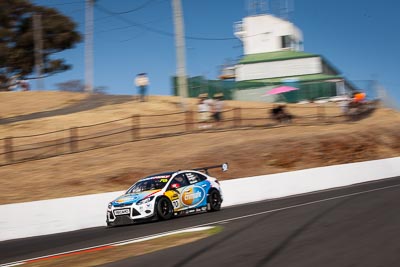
(175, 186)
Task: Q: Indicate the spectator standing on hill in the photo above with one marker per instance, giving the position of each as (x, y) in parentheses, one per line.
(344, 104)
(203, 107)
(24, 84)
(142, 82)
(359, 97)
(209, 102)
(218, 106)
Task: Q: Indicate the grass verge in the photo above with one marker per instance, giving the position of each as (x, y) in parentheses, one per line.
(117, 253)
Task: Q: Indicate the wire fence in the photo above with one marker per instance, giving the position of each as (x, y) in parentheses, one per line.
(141, 127)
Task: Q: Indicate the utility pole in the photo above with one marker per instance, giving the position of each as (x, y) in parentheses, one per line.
(89, 46)
(180, 50)
(38, 44)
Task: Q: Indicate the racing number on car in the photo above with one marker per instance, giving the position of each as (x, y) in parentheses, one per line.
(175, 203)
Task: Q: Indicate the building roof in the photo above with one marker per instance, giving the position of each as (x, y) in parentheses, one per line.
(274, 56)
(281, 80)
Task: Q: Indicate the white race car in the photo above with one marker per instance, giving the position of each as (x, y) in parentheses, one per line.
(168, 194)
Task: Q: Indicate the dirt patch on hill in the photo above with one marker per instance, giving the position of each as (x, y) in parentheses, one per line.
(249, 151)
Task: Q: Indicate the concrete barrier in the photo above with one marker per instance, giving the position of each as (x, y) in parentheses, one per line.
(73, 213)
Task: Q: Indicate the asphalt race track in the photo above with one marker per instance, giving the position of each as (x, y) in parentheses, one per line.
(351, 226)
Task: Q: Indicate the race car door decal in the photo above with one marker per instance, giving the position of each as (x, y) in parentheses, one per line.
(192, 196)
(176, 187)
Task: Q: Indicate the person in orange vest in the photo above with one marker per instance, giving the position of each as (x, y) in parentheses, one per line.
(359, 97)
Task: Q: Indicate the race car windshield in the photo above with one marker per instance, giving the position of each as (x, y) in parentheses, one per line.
(148, 184)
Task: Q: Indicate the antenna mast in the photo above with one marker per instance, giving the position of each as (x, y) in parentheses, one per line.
(257, 7)
(286, 7)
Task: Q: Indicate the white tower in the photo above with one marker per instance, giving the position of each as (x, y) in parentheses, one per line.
(267, 33)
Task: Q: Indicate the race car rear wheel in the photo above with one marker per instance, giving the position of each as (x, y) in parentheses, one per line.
(164, 209)
(214, 200)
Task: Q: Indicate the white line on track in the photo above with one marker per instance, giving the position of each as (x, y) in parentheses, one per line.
(299, 205)
(139, 239)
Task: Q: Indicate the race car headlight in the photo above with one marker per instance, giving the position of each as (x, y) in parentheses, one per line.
(109, 205)
(145, 200)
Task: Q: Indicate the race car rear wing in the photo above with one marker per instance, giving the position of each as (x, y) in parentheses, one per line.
(223, 166)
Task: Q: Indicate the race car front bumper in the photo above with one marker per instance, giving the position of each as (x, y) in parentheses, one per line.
(129, 214)
(120, 220)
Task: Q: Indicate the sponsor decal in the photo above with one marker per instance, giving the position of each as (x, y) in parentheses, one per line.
(128, 198)
(193, 196)
(161, 177)
(122, 212)
(192, 177)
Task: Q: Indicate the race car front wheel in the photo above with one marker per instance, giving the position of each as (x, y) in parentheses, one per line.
(214, 201)
(164, 209)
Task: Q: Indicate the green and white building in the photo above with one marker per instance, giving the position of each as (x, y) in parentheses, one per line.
(274, 56)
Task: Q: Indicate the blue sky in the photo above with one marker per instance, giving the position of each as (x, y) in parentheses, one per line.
(359, 37)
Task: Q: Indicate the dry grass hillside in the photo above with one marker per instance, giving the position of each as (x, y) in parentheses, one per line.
(249, 150)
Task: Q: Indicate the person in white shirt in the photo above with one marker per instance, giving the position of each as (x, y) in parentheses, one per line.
(204, 111)
(142, 81)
